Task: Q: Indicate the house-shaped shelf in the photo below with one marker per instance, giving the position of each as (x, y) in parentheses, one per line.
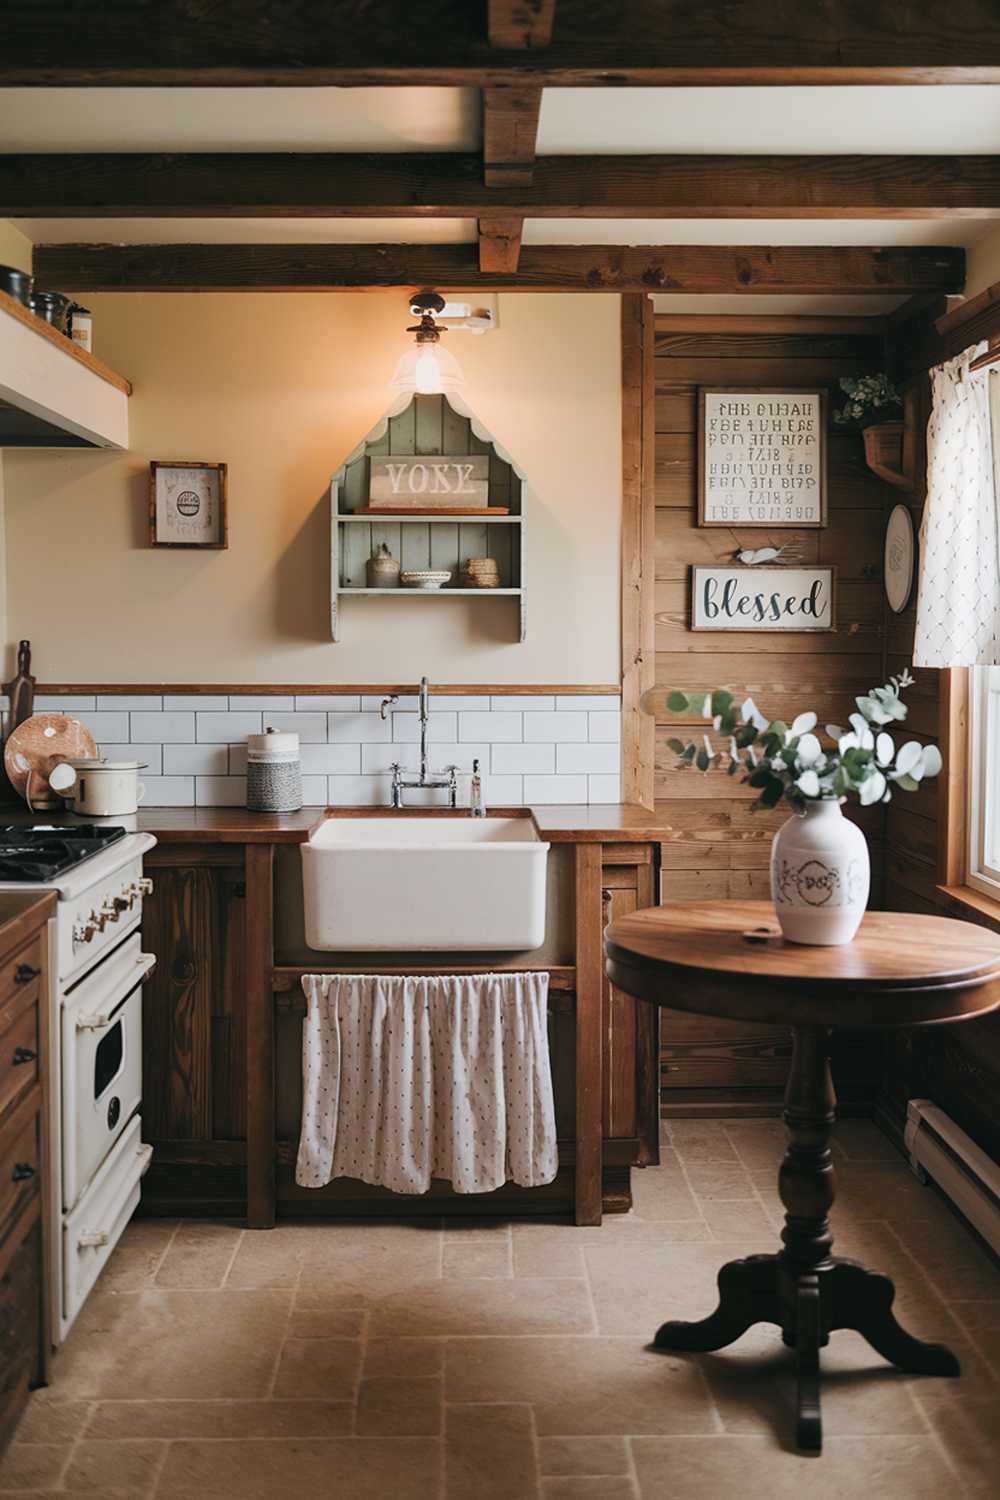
(429, 426)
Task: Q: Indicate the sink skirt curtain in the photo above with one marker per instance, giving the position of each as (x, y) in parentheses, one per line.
(409, 1078)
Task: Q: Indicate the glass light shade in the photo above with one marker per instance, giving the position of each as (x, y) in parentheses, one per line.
(428, 370)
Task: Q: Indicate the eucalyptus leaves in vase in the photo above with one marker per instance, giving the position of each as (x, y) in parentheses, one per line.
(820, 871)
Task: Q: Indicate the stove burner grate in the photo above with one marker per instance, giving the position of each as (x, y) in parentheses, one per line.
(30, 854)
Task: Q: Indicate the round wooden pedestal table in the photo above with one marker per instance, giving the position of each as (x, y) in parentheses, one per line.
(728, 958)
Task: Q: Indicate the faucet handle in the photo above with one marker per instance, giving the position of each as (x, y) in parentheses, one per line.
(387, 703)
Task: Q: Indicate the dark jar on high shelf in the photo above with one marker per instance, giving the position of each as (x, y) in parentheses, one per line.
(53, 308)
(16, 284)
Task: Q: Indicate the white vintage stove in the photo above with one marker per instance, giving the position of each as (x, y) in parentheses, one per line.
(96, 969)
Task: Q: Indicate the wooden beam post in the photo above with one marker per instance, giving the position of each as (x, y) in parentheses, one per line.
(589, 1035)
(638, 547)
(261, 1205)
(510, 135)
(517, 24)
(499, 245)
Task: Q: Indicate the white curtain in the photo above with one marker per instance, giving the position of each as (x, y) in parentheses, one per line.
(958, 605)
(408, 1078)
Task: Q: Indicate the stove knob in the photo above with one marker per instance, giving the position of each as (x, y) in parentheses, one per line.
(109, 913)
(123, 903)
(84, 931)
(144, 886)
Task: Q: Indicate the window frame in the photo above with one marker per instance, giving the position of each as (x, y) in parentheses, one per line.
(982, 871)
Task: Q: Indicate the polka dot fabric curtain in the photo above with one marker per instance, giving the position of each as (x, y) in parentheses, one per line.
(958, 604)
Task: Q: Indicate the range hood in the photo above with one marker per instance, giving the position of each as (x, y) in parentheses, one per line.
(52, 393)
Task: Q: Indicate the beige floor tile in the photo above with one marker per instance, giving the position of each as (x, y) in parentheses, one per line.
(326, 1323)
(583, 1455)
(970, 1433)
(719, 1179)
(702, 1142)
(477, 1260)
(46, 1420)
(191, 1344)
(220, 1419)
(138, 1255)
(917, 1304)
(199, 1255)
(490, 1453)
(469, 1229)
(396, 1406)
(579, 1487)
(753, 1382)
(90, 1352)
(582, 1387)
(318, 1367)
(881, 1190)
(266, 1258)
(495, 1307)
(636, 1287)
(759, 1144)
(862, 1140)
(125, 1464)
(336, 1469)
(734, 1221)
(663, 1193)
(29, 1466)
(754, 1468)
(951, 1256)
(409, 1357)
(544, 1250)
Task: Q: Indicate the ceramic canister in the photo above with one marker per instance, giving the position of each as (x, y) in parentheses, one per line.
(274, 772)
(99, 788)
(820, 875)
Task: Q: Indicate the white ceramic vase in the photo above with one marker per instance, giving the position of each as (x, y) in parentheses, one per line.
(820, 875)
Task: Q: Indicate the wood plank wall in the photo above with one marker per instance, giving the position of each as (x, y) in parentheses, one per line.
(724, 848)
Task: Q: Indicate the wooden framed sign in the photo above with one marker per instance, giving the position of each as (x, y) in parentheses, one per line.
(761, 456)
(785, 599)
(430, 481)
(187, 505)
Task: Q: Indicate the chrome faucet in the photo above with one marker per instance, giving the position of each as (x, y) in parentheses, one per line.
(448, 778)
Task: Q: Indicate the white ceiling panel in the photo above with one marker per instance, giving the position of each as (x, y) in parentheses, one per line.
(813, 121)
(279, 119)
(247, 231)
(754, 231)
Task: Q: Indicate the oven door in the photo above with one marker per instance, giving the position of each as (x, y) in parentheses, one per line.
(101, 1062)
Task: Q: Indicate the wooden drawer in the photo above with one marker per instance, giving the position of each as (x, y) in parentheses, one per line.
(20, 971)
(19, 1049)
(20, 1166)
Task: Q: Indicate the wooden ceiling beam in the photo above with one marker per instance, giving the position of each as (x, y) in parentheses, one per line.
(261, 43)
(510, 133)
(707, 269)
(499, 245)
(520, 23)
(333, 185)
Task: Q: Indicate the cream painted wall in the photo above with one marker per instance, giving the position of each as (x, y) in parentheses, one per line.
(15, 247)
(983, 265)
(281, 387)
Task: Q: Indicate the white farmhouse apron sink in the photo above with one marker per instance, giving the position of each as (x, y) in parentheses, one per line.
(425, 884)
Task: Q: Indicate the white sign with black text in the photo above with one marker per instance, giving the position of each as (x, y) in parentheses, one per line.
(761, 457)
(734, 598)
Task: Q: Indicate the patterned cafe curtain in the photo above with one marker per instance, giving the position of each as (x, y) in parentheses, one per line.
(958, 604)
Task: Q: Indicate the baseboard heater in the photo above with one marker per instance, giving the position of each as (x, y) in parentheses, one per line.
(939, 1149)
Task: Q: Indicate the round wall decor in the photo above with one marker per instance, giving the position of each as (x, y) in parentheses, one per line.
(900, 558)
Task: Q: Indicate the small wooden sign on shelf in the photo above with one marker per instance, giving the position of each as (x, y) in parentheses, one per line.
(437, 510)
(761, 457)
(429, 481)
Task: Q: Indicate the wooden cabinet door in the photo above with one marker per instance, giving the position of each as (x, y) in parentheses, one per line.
(631, 1028)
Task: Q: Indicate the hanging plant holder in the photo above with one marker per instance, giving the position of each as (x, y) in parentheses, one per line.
(890, 447)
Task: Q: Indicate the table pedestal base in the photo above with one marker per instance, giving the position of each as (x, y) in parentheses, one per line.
(808, 1306)
(803, 1289)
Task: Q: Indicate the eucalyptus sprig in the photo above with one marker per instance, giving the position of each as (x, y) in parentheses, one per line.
(870, 398)
(790, 760)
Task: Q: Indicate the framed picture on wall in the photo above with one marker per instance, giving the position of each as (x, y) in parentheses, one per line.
(760, 598)
(761, 456)
(187, 505)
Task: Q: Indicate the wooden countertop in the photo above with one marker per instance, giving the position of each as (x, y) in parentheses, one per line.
(597, 823)
(21, 914)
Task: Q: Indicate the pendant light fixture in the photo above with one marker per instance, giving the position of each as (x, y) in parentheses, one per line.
(427, 369)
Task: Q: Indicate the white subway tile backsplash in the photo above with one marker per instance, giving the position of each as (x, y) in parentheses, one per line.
(220, 791)
(208, 702)
(268, 702)
(169, 791)
(605, 726)
(166, 729)
(129, 701)
(108, 726)
(558, 727)
(326, 702)
(68, 703)
(328, 760)
(440, 726)
(555, 789)
(517, 759)
(520, 702)
(530, 747)
(227, 726)
(310, 727)
(490, 726)
(590, 758)
(196, 760)
(360, 729)
(583, 702)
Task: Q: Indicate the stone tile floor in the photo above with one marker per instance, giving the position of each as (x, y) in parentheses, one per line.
(509, 1361)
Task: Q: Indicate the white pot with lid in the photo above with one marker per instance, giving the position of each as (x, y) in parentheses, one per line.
(99, 788)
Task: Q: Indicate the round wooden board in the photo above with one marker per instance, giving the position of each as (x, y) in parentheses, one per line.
(43, 741)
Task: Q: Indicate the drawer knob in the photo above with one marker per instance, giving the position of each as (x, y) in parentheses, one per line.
(24, 973)
(23, 1171)
(23, 1055)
